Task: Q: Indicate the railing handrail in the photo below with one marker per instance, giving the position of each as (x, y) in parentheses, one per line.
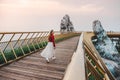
(97, 63)
(24, 44)
(8, 47)
(88, 43)
(76, 68)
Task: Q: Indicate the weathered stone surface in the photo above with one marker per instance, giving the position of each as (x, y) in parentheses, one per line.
(66, 25)
(106, 49)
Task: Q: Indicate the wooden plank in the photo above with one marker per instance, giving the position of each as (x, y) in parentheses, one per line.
(34, 67)
(31, 72)
(5, 78)
(57, 61)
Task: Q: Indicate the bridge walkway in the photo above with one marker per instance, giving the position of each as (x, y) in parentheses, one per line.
(34, 67)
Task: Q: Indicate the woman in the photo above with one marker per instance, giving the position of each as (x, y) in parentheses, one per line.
(49, 51)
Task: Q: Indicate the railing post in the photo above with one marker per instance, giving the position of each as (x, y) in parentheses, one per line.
(3, 55)
(26, 41)
(18, 41)
(35, 41)
(31, 39)
(1, 49)
(40, 39)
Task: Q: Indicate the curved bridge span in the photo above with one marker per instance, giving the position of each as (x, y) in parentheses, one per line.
(76, 59)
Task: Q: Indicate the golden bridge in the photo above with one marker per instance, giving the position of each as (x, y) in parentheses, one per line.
(76, 57)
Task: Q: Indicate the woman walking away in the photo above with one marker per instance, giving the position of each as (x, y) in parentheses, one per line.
(49, 51)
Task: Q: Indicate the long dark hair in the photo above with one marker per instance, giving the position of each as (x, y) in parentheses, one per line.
(51, 32)
(49, 38)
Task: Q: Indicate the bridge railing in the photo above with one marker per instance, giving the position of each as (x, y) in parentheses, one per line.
(95, 67)
(15, 45)
(86, 64)
(76, 68)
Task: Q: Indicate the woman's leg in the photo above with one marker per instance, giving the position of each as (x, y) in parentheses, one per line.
(47, 60)
(54, 54)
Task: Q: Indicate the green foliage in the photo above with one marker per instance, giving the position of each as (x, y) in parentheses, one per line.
(31, 48)
(43, 44)
(9, 55)
(40, 44)
(18, 52)
(36, 46)
(98, 70)
(1, 59)
(91, 77)
(46, 43)
(25, 49)
(59, 39)
(66, 36)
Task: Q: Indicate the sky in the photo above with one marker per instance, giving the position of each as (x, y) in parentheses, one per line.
(44, 15)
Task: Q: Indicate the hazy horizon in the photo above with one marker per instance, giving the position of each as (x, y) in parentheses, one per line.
(44, 15)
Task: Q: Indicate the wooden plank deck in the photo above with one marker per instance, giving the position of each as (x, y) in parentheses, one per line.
(34, 67)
